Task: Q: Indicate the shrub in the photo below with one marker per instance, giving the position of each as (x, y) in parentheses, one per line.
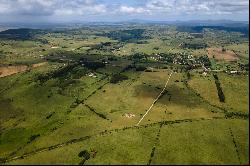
(33, 137)
(49, 116)
(117, 78)
(140, 68)
(188, 75)
(94, 65)
(85, 154)
(236, 115)
(78, 72)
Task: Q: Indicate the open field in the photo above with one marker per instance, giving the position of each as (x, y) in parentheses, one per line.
(241, 49)
(199, 144)
(234, 93)
(75, 96)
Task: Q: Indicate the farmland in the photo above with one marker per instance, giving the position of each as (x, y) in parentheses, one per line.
(75, 96)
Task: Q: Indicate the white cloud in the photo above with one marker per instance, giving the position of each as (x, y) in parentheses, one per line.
(133, 10)
(51, 7)
(5, 8)
(188, 7)
(160, 5)
(199, 6)
(81, 10)
(154, 8)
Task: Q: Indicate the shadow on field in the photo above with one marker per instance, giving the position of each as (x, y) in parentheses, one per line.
(7, 110)
(147, 91)
(173, 95)
(179, 96)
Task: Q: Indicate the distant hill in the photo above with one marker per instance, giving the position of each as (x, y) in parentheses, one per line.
(198, 29)
(27, 31)
(227, 23)
(193, 22)
(20, 33)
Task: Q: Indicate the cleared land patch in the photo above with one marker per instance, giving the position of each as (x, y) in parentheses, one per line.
(219, 54)
(9, 70)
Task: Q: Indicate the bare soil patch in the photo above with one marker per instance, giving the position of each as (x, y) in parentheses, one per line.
(219, 54)
(39, 64)
(9, 70)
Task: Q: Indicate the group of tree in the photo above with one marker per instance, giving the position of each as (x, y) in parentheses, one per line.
(118, 78)
(219, 89)
(133, 35)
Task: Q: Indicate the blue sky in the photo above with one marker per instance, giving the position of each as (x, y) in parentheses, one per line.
(121, 10)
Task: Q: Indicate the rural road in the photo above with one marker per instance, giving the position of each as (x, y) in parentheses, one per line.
(156, 99)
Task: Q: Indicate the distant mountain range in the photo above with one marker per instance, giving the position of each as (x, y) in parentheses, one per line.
(195, 22)
(227, 23)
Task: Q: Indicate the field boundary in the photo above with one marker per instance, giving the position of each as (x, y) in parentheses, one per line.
(235, 145)
(155, 144)
(230, 113)
(98, 114)
(102, 133)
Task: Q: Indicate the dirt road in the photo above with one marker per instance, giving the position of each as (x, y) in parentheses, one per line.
(156, 99)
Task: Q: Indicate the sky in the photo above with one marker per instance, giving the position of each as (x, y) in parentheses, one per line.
(35, 11)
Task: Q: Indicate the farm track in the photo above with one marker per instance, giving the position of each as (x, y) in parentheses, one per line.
(105, 132)
(157, 98)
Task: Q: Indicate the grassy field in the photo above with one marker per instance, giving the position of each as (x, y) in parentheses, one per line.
(203, 141)
(235, 88)
(84, 90)
(240, 49)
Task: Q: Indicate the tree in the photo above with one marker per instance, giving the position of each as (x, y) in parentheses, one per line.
(85, 155)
